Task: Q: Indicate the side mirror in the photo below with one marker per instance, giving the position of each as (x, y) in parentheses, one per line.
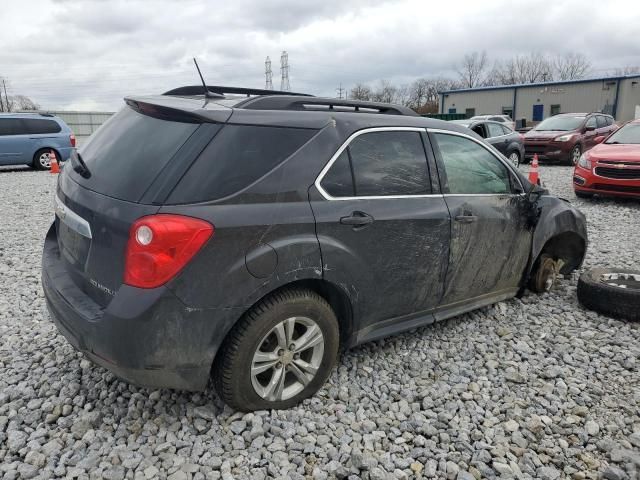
(598, 139)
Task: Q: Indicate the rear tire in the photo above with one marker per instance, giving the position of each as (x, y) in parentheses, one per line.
(263, 363)
(42, 160)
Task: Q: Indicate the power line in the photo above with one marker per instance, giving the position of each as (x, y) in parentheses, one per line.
(269, 74)
(285, 86)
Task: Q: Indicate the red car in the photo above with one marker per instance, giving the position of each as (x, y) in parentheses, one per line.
(612, 167)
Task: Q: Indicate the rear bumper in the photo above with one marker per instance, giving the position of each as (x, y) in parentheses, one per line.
(146, 337)
(585, 181)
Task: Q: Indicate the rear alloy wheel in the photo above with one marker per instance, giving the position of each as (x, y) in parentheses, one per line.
(544, 274)
(574, 156)
(514, 158)
(42, 160)
(612, 291)
(280, 353)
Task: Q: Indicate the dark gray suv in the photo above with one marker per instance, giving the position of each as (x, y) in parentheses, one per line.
(249, 235)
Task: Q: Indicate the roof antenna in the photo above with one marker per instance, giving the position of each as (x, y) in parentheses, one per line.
(207, 93)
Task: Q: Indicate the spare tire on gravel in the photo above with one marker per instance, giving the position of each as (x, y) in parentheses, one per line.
(612, 291)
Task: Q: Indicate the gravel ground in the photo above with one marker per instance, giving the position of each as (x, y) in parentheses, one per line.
(530, 388)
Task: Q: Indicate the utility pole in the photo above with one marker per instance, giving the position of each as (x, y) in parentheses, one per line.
(340, 90)
(284, 68)
(6, 97)
(269, 74)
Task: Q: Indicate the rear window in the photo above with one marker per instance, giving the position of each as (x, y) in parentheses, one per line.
(236, 157)
(39, 126)
(128, 151)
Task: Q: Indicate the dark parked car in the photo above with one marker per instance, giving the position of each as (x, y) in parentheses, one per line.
(564, 137)
(29, 139)
(505, 140)
(250, 237)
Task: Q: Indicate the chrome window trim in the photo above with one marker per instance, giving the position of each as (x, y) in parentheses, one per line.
(342, 148)
(504, 162)
(71, 218)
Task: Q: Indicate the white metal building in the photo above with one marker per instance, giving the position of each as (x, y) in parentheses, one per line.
(618, 96)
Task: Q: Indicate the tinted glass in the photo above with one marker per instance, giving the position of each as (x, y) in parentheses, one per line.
(11, 126)
(591, 122)
(236, 157)
(630, 133)
(127, 152)
(338, 181)
(40, 126)
(389, 163)
(561, 124)
(495, 130)
(470, 168)
(497, 119)
(609, 120)
(602, 122)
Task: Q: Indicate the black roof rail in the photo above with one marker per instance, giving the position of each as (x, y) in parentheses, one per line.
(288, 102)
(197, 90)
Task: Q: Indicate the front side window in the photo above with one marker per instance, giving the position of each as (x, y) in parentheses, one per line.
(602, 122)
(506, 130)
(591, 123)
(471, 168)
(380, 164)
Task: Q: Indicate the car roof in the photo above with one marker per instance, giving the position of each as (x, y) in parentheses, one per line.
(296, 110)
(28, 115)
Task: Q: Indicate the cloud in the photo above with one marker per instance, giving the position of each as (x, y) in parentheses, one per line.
(91, 53)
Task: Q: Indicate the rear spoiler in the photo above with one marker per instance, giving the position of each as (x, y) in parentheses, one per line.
(177, 110)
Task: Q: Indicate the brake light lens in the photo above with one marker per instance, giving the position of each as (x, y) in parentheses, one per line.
(72, 140)
(160, 246)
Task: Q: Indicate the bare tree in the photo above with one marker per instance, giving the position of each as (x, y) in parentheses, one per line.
(418, 93)
(385, 92)
(360, 92)
(403, 95)
(571, 66)
(628, 70)
(472, 69)
(24, 103)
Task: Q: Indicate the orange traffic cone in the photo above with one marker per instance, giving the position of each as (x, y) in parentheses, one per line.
(55, 168)
(533, 172)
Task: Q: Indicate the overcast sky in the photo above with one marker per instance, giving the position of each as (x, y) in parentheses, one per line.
(88, 54)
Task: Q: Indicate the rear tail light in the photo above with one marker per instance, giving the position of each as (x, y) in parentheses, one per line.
(160, 246)
(72, 139)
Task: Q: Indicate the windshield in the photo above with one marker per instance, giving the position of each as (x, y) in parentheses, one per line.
(630, 133)
(559, 124)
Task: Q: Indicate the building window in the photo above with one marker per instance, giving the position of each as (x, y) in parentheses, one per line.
(470, 112)
(507, 111)
(452, 110)
(555, 110)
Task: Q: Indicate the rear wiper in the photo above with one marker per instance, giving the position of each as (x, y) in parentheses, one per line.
(79, 166)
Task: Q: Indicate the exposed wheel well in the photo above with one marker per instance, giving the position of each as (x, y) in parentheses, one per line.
(568, 246)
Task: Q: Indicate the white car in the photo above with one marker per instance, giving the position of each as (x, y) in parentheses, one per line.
(504, 119)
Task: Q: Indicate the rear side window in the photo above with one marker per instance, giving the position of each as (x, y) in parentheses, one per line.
(495, 130)
(127, 152)
(236, 157)
(380, 164)
(39, 126)
(11, 126)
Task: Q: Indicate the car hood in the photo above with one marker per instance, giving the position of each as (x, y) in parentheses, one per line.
(626, 153)
(546, 135)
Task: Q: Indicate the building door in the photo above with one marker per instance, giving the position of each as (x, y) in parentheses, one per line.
(538, 111)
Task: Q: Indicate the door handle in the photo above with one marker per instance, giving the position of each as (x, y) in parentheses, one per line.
(466, 218)
(357, 219)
